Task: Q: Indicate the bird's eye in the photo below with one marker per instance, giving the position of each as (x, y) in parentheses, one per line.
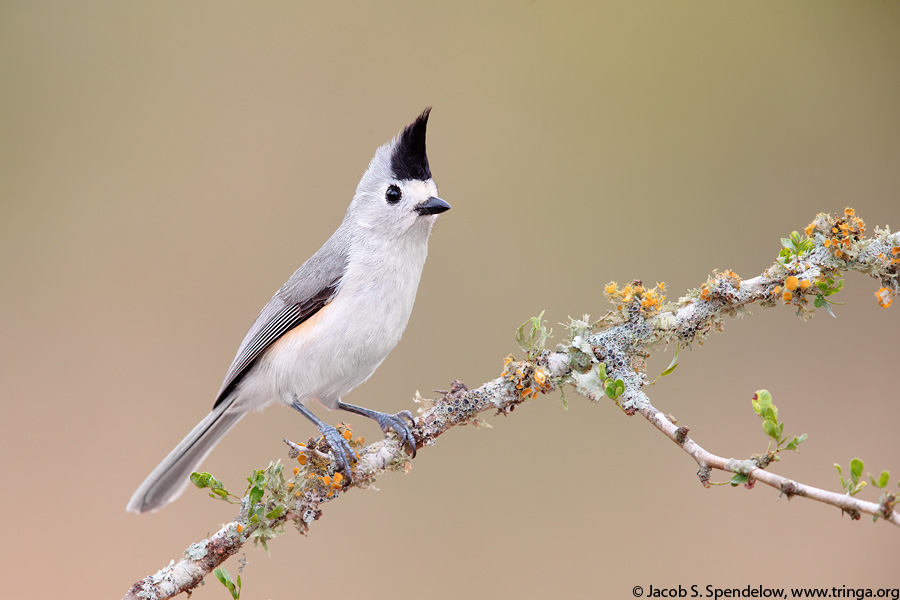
(392, 195)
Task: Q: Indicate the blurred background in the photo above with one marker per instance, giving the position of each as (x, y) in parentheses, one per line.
(165, 166)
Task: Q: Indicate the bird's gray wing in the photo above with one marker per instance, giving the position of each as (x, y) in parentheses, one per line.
(310, 288)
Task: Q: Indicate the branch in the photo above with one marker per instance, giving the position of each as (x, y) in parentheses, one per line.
(607, 363)
(459, 406)
(786, 486)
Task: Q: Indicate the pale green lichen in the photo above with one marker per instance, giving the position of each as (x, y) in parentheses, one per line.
(197, 551)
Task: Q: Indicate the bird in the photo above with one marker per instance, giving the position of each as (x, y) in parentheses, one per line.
(334, 321)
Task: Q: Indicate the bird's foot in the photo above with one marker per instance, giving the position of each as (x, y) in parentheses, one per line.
(400, 423)
(397, 422)
(340, 449)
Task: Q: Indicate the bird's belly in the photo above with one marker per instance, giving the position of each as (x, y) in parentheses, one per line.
(326, 356)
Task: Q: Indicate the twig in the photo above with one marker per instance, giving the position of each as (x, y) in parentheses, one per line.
(788, 487)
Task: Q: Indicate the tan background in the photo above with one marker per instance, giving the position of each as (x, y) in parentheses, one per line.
(164, 166)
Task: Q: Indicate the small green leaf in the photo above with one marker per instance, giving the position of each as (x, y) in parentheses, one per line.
(610, 389)
(737, 479)
(275, 512)
(827, 307)
(856, 468)
(601, 370)
(201, 480)
(222, 575)
(234, 588)
(839, 470)
(206, 480)
(259, 478)
(672, 365)
(764, 398)
(792, 445)
(614, 389)
(882, 481)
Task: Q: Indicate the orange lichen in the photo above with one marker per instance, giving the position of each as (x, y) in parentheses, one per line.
(302, 459)
(296, 470)
(791, 283)
(649, 299)
(333, 484)
(841, 232)
(239, 528)
(884, 297)
(804, 285)
(652, 300)
(787, 296)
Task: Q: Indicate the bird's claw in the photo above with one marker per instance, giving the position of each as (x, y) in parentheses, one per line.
(341, 450)
(399, 425)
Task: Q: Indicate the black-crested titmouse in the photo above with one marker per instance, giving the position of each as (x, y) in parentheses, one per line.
(335, 320)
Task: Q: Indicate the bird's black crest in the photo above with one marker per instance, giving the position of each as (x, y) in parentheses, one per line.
(409, 160)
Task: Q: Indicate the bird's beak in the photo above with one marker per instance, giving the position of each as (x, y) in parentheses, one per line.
(432, 206)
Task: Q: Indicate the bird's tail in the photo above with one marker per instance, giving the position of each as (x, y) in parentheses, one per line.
(169, 479)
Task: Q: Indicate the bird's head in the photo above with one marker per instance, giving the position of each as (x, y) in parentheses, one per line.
(397, 195)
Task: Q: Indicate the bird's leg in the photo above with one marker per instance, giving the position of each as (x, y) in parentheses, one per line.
(339, 446)
(397, 422)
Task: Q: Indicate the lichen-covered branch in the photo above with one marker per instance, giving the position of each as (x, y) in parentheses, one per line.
(297, 499)
(600, 360)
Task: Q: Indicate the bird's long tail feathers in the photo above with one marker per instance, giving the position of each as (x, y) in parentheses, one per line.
(169, 479)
